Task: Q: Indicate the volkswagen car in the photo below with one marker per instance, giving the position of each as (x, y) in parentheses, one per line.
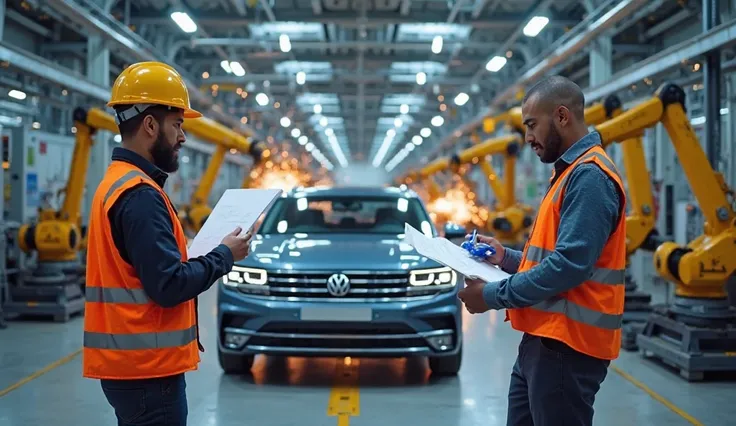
(330, 275)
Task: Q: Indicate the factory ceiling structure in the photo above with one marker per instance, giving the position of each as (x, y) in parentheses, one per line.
(388, 83)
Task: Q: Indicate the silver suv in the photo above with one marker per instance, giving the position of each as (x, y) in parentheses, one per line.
(330, 275)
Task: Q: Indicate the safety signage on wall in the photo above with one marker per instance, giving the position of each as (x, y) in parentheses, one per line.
(32, 197)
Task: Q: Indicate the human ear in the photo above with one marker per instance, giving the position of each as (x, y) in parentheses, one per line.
(150, 126)
(562, 115)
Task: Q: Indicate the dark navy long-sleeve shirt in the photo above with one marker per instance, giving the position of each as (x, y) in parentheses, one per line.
(143, 233)
(588, 216)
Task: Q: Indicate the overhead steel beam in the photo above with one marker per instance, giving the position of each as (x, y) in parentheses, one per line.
(566, 50)
(52, 72)
(501, 51)
(256, 59)
(351, 20)
(104, 25)
(719, 37)
(331, 78)
(74, 82)
(27, 23)
(620, 11)
(348, 44)
(17, 108)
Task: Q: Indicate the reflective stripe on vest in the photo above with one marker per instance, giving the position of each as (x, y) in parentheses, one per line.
(116, 295)
(599, 275)
(598, 155)
(588, 317)
(126, 334)
(140, 341)
(580, 313)
(121, 181)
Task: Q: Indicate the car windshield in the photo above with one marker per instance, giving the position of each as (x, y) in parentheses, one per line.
(345, 214)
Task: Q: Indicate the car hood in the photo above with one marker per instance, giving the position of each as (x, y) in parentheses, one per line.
(374, 252)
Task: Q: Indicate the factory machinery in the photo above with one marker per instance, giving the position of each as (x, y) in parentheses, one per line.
(54, 285)
(697, 332)
(196, 213)
(509, 220)
(641, 233)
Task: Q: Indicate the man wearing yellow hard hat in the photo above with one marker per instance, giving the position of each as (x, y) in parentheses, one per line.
(141, 328)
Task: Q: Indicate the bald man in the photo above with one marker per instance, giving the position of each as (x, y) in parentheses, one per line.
(566, 291)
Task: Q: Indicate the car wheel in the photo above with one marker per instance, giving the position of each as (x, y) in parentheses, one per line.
(446, 365)
(235, 364)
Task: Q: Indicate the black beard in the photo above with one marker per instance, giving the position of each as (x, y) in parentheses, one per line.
(164, 156)
(551, 151)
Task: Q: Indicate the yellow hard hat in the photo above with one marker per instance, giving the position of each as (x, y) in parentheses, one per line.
(150, 83)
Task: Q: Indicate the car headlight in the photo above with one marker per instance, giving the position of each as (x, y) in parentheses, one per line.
(242, 275)
(437, 276)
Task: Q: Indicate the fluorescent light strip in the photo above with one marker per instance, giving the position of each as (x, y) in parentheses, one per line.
(400, 156)
(382, 151)
(184, 21)
(337, 150)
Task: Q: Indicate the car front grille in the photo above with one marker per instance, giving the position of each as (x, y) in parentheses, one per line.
(373, 286)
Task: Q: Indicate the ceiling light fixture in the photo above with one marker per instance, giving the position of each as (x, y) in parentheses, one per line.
(262, 99)
(184, 22)
(284, 43)
(495, 64)
(461, 99)
(421, 78)
(437, 44)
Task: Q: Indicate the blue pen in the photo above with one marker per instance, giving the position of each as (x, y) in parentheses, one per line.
(479, 251)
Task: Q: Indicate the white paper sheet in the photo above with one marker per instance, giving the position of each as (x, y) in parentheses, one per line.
(449, 254)
(236, 207)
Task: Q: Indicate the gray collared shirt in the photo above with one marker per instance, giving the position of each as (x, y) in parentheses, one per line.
(588, 216)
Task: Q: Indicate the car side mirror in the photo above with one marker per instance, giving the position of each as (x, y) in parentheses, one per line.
(453, 231)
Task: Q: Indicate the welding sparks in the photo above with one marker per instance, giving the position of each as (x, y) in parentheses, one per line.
(284, 171)
(457, 205)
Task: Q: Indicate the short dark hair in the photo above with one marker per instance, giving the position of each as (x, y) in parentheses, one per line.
(128, 128)
(559, 90)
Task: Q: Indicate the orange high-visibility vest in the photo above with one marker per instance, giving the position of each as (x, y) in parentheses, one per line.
(127, 335)
(587, 317)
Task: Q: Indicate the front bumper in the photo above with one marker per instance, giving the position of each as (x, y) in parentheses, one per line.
(423, 326)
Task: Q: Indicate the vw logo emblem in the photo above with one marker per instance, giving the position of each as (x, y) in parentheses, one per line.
(338, 285)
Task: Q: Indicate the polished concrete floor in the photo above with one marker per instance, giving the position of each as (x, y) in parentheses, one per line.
(297, 391)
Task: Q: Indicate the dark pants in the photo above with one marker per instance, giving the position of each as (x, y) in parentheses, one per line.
(553, 384)
(148, 402)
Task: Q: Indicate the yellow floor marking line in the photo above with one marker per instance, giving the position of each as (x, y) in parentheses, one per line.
(40, 373)
(657, 396)
(344, 399)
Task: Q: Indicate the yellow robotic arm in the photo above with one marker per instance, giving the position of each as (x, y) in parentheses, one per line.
(641, 222)
(195, 214)
(57, 236)
(700, 269)
(509, 219)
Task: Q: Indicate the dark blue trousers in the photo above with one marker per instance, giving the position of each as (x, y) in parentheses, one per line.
(148, 402)
(553, 384)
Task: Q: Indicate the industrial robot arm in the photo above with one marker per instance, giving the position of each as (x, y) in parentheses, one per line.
(57, 236)
(641, 222)
(197, 212)
(509, 219)
(700, 269)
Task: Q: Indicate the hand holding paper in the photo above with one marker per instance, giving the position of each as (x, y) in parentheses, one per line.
(445, 252)
(236, 208)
